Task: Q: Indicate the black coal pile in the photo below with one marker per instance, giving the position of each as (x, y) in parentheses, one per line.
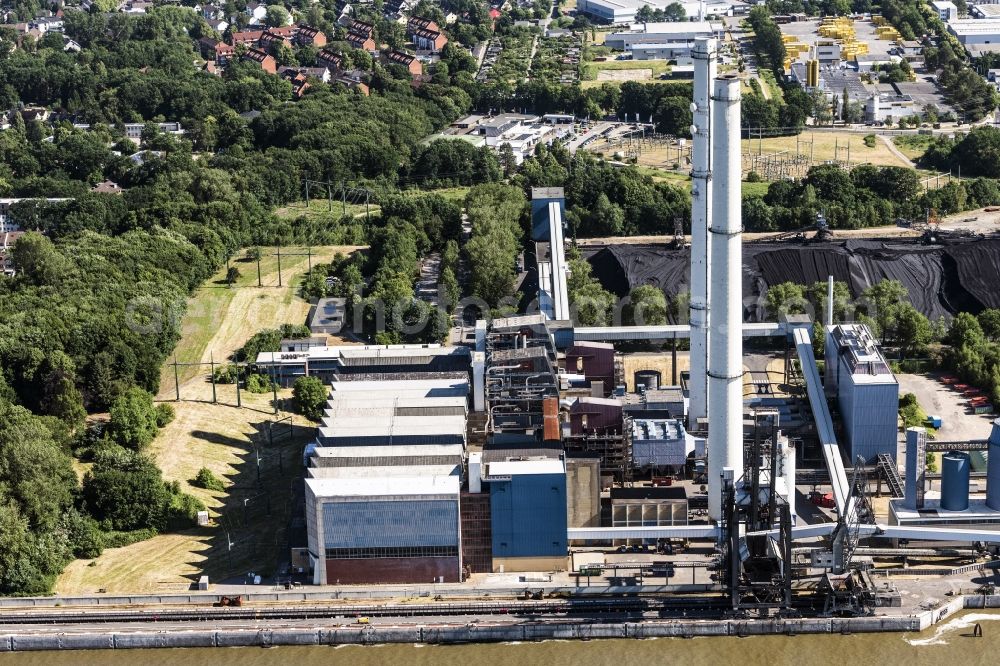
(959, 274)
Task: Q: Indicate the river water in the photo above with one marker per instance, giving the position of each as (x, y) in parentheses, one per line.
(949, 644)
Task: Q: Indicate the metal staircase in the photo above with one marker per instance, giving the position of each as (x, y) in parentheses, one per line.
(887, 470)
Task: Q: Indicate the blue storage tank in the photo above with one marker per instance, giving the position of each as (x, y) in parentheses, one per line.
(955, 481)
(993, 468)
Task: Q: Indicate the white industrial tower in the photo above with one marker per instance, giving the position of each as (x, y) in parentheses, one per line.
(725, 358)
(701, 205)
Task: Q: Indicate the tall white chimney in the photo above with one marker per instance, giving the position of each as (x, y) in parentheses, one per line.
(701, 206)
(725, 359)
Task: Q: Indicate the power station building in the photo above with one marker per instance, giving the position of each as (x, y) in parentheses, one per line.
(866, 391)
(369, 527)
(528, 513)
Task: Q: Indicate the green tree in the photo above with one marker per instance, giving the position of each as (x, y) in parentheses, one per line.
(133, 419)
(310, 395)
(989, 321)
(124, 490)
(786, 298)
(276, 16)
(648, 306)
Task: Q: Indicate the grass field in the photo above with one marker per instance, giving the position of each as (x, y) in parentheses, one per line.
(219, 319)
(221, 437)
(322, 208)
(756, 189)
(823, 146)
(913, 145)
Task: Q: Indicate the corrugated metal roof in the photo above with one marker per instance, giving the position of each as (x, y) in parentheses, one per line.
(383, 487)
(383, 471)
(401, 450)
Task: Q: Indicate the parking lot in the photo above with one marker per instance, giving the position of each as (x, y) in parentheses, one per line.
(958, 423)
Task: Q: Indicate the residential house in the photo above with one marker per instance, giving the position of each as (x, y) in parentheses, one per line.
(246, 37)
(143, 156)
(257, 11)
(415, 23)
(298, 79)
(428, 39)
(309, 36)
(70, 45)
(318, 73)
(286, 31)
(354, 80)
(331, 60)
(264, 60)
(39, 113)
(271, 42)
(212, 49)
(407, 60)
(7, 240)
(361, 36)
(212, 12)
(47, 24)
(107, 187)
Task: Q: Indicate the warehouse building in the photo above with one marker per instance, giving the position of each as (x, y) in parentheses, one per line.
(866, 391)
(976, 35)
(623, 11)
(678, 36)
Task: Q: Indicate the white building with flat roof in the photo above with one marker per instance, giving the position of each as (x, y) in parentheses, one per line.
(623, 11)
(946, 10)
(975, 32)
(680, 36)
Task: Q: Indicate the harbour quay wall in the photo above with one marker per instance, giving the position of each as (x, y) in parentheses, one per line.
(185, 636)
(188, 634)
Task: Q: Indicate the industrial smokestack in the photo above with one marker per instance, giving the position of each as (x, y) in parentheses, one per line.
(725, 374)
(701, 204)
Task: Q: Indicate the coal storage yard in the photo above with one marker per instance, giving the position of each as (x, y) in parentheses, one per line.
(960, 273)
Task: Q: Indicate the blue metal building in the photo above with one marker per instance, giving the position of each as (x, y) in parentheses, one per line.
(528, 513)
(866, 391)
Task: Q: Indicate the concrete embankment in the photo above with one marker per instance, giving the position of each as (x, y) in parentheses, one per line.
(191, 635)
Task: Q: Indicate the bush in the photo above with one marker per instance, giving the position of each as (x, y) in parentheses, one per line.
(164, 414)
(182, 511)
(207, 480)
(911, 412)
(257, 383)
(225, 374)
(870, 140)
(753, 176)
(310, 395)
(116, 539)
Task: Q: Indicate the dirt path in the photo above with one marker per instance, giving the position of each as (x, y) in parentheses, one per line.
(896, 151)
